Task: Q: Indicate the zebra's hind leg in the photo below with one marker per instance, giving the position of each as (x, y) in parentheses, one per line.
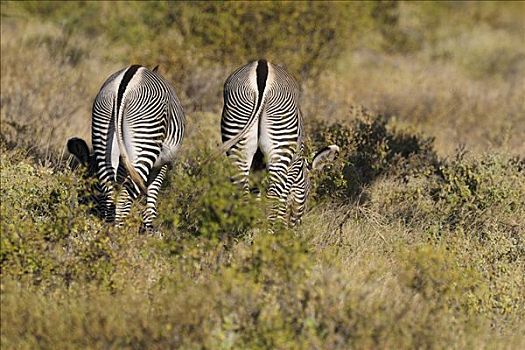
(242, 155)
(150, 213)
(130, 192)
(107, 205)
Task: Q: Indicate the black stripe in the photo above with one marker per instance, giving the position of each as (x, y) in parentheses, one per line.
(124, 83)
(262, 75)
(109, 136)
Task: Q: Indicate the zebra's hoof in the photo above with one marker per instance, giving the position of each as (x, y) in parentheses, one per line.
(156, 233)
(150, 230)
(146, 229)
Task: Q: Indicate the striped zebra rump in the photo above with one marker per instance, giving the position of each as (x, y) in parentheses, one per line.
(261, 116)
(137, 128)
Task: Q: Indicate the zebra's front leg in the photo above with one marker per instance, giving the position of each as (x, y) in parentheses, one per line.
(150, 213)
(299, 189)
(297, 205)
(129, 192)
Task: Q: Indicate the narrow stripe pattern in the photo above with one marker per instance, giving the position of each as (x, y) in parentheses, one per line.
(261, 112)
(137, 128)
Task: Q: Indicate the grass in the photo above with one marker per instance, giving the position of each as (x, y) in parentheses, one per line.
(414, 238)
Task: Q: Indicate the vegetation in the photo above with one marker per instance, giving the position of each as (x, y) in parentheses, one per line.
(415, 236)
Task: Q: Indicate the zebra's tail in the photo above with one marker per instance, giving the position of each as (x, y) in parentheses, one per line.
(128, 163)
(231, 142)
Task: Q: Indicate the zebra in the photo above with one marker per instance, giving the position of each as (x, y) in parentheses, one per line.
(137, 128)
(261, 116)
(298, 183)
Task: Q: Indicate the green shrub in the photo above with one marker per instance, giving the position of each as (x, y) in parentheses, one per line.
(47, 237)
(434, 274)
(477, 195)
(203, 201)
(306, 37)
(466, 190)
(386, 15)
(370, 149)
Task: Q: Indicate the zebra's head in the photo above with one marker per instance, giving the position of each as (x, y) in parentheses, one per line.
(324, 156)
(94, 193)
(79, 148)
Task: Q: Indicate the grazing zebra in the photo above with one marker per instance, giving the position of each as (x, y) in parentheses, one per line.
(298, 184)
(261, 115)
(137, 128)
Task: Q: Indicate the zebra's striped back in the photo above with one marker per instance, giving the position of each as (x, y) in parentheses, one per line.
(263, 94)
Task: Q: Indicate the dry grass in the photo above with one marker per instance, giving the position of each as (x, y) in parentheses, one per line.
(48, 82)
(436, 98)
(425, 257)
(361, 275)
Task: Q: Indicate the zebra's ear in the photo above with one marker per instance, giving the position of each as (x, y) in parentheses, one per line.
(79, 149)
(156, 68)
(325, 156)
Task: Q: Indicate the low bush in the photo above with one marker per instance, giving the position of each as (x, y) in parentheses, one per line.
(477, 194)
(47, 237)
(203, 201)
(409, 244)
(351, 275)
(452, 193)
(370, 148)
(307, 36)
